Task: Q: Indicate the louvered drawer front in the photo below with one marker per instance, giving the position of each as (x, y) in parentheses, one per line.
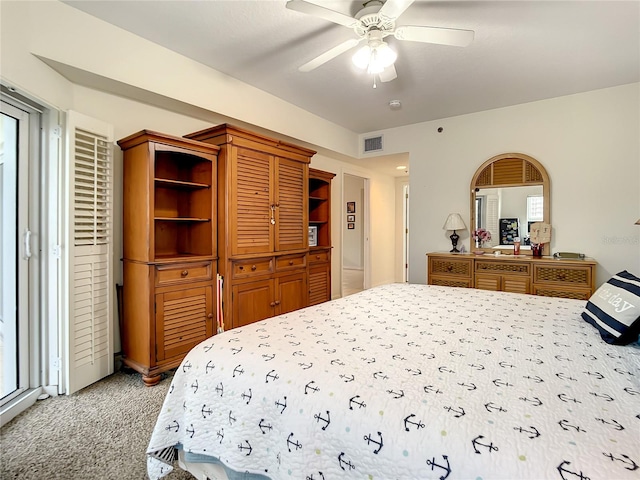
(503, 267)
(451, 267)
(577, 276)
(319, 257)
(184, 319)
(249, 268)
(291, 261)
(182, 273)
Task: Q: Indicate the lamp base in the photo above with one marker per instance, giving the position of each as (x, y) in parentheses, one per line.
(454, 242)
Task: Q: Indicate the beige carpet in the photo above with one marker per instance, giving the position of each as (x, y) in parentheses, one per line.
(101, 432)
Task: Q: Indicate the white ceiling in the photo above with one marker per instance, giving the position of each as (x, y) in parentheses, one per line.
(523, 51)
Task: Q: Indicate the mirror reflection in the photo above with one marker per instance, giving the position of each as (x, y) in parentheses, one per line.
(507, 213)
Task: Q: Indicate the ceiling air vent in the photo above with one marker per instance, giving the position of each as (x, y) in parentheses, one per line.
(373, 144)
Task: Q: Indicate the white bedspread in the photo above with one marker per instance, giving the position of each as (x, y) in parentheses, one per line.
(411, 382)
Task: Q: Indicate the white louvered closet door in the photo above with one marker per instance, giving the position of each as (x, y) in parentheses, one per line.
(89, 262)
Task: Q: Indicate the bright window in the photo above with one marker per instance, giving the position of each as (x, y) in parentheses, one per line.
(535, 210)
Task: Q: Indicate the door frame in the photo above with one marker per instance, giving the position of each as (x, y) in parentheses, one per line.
(366, 225)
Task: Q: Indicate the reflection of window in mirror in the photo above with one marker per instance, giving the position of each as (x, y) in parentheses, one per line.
(480, 211)
(535, 213)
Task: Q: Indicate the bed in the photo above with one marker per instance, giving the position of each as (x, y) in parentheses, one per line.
(407, 382)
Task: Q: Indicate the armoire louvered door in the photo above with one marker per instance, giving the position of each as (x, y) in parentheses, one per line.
(89, 251)
(291, 205)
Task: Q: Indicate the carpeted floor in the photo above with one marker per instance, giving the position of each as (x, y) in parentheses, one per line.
(101, 432)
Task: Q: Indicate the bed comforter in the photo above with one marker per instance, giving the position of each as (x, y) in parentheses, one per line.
(410, 382)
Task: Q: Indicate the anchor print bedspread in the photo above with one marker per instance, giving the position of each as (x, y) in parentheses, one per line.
(410, 382)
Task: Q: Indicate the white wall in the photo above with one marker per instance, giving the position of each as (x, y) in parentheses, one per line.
(353, 239)
(589, 144)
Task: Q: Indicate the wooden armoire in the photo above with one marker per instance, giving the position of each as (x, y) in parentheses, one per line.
(169, 249)
(262, 223)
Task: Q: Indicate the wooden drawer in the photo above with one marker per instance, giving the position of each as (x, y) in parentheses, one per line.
(183, 273)
(253, 267)
(321, 256)
(503, 267)
(558, 291)
(289, 262)
(449, 281)
(567, 275)
(462, 267)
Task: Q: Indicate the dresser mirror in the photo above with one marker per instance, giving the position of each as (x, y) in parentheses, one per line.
(509, 192)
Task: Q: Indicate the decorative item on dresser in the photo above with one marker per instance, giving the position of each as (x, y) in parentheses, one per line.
(454, 222)
(544, 276)
(262, 223)
(320, 251)
(169, 240)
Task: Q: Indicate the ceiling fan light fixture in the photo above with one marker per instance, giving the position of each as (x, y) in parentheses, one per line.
(374, 58)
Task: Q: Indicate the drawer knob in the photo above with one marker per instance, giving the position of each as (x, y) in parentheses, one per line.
(241, 267)
(290, 262)
(253, 267)
(317, 257)
(449, 268)
(184, 273)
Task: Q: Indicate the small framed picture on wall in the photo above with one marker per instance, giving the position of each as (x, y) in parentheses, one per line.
(351, 207)
(351, 226)
(351, 218)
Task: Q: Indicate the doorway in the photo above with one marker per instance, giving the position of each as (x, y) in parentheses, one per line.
(354, 234)
(19, 154)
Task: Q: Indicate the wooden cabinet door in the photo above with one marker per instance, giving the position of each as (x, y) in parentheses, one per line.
(291, 293)
(291, 197)
(488, 282)
(252, 302)
(516, 284)
(319, 283)
(251, 204)
(184, 318)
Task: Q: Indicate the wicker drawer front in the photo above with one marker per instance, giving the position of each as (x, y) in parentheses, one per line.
(576, 276)
(291, 261)
(450, 282)
(182, 273)
(547, 291)
(249, 268)
(450, 267)
(514, 268)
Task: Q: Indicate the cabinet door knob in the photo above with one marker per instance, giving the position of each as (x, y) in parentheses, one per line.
(277, 302)
(210, 315)
(184, 273)
(273, 304)
(253, 267)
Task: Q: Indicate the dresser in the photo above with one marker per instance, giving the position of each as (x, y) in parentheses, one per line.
(544, 276)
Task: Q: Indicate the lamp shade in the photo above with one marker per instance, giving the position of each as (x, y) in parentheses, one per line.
(454, 222)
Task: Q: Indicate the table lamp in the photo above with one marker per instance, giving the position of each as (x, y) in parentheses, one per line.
(454, 222)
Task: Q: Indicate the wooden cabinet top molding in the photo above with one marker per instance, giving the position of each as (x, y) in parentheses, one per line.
(150, 136)
(226, 133)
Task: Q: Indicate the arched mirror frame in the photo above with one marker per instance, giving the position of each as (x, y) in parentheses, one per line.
(510, 170)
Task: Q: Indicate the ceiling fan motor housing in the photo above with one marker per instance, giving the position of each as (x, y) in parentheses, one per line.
(369, 21)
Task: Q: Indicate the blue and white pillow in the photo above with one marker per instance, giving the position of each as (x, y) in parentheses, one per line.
(614, 309)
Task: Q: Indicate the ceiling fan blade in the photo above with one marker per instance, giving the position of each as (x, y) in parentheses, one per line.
(318, 11)
(392, 9)
(329, 55)
(442, 36)
(388, 74)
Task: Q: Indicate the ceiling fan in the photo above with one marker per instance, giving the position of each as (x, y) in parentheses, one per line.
(372, 24)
